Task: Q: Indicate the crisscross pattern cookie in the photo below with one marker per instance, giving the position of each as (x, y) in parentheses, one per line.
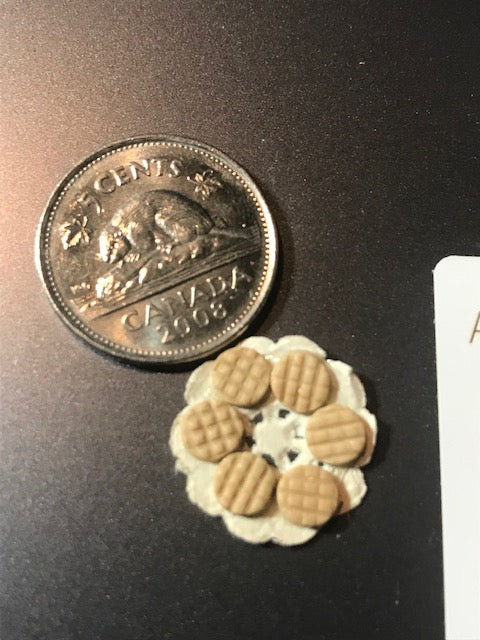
(241, 376)
(301, 381)
(210, 430)
(307, 495)
(244, 483)
(336, 434)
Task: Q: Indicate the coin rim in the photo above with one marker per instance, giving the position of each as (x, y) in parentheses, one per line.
(211, 345)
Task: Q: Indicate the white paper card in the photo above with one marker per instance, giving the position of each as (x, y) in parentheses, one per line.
(457, 328)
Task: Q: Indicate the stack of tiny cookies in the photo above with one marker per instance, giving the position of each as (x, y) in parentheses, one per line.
(245, 483)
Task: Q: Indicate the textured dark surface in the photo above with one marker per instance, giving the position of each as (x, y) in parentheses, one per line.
(357, 120)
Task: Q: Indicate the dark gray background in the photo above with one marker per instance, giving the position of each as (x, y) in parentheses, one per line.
(357, 120)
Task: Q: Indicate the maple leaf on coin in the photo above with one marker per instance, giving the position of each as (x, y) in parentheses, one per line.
(205, 183)
(75, 233)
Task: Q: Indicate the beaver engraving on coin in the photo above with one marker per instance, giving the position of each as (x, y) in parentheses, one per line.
(154, 233)
(155, 220)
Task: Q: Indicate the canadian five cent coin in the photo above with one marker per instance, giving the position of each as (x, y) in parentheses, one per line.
(157, 250)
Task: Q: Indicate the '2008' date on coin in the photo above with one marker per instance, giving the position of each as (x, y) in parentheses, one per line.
(194, 307)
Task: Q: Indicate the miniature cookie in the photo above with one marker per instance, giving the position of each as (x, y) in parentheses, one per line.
(301, 381)
(244, 483)
(211, 430)
(336, 434)
(241, 376)
(307, 495)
